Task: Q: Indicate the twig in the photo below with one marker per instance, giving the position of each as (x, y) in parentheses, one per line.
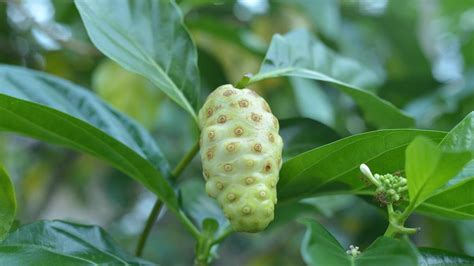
(158, 204)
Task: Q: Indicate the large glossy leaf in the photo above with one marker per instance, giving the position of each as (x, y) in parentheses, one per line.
(460, 138)
(299, 54)
(428, 168)
(335, 166)
(7, 203)
(62, 243)
(149, 38)
(455, 202)
(54, 110)
(303, 134)
(456, 199)
(431, 256)
(319, 247)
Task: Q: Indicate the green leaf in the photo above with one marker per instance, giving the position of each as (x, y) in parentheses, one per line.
(456, 199)
(299, 54)
(295, 134)
(319, 247)
(312, 102)
(388, 251)
(149, 38)
(63, 243)
(54, 110)
(460, 137)
(428, 168)
(431, 256)
(456, 202)
(7, 203)
(335, 167)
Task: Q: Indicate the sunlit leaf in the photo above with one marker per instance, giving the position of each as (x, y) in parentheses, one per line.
(149, 38)
(456, 199)
(461, 137)
(299, 54)
(335, 167)
(428, 168)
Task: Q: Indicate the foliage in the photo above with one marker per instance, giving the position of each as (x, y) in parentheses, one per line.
(374, 103)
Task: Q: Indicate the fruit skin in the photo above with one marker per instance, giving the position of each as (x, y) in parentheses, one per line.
(241, 156)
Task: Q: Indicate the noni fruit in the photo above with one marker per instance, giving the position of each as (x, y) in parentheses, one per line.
(241, 156)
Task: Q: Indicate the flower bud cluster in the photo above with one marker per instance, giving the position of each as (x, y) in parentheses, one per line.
(390, 188)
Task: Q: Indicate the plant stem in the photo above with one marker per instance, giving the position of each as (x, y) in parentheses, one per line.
(159, 204)
(149, 224)
(185, 161)
(397, 221)
(203, 251)
(205, 244)
(188, 224)
(244, 81)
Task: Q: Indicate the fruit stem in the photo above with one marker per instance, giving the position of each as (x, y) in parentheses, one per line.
(244, 81)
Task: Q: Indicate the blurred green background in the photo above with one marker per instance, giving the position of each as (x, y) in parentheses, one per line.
(422, 52)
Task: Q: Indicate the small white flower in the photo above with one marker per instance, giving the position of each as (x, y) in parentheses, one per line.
(366, 171)
(353, 251)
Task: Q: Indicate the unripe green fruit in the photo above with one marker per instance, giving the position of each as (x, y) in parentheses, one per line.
(241, 156)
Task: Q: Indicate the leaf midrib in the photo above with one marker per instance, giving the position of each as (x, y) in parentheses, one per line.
(446, 209)
(352, 168)
(335, 151)
(90, 245)
(145, 56)
(81, 129)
